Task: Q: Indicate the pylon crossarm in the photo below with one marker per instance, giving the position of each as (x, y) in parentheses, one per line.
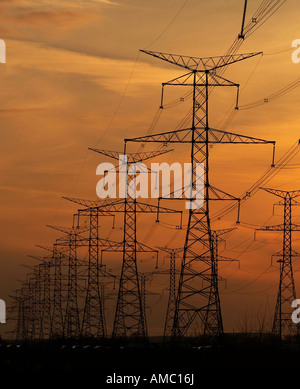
(295, 227)
(148, 208)
(221, 258)
(51, 249)
(132, 157)
(200, 136)
(42, 259)
(200, 64)
(221, 81)
(140, 207)
(294, 203)
(169, 250)
(90, 203)
(284, 194)
(179, 136)
(70, 230)
(292, 253)
(110, 207)
(81, 241)
(278, 227)
(141, 247)
(188, 80)
(219, 136)
(219, 194)
(223, 231)
(181, 80)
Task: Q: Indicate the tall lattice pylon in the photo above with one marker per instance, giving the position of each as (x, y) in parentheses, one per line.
(129, 317)
(57, 317)
(133, 322)
(282, 322)
(197, 296)
(71, 239)
(173, 254)
(93, 319)
(21, 326)
(58, 260)
(214, 298)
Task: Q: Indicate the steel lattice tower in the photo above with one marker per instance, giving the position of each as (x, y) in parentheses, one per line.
(129, 317)
(46, 300)
(282, 322)
(215, 278)
(57, 308)
(21, 327)
(197, 296)
(93, 320)
(172, 290)
(59, 257)
(72, 239)
(110, 207)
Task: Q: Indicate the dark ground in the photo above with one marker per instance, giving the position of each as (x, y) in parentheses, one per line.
(87, 357)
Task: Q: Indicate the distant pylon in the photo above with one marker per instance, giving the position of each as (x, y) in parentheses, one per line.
(144, 277)
(57, 317)
(282, 322)
(173, 252)
(132, 324)
(46, 300)
(21, 327)
(71, 326)
(214, 298)
(129, 317)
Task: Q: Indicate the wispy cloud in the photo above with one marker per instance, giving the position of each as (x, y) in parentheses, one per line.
(61, 19)
(58, 4)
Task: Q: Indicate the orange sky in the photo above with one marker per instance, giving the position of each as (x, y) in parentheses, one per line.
(73, 80)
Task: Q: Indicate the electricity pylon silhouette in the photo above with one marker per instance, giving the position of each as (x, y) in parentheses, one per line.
(113, 207)
(71, 239)
(59, 258)
(57, 317)
(20, 301)
(197, 297)
(214, 298)
(144, 277)
(173, 253)
(93, 320)
(129, 317)
(282, 322)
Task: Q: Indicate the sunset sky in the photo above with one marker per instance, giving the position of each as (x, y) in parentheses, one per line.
(74, 79)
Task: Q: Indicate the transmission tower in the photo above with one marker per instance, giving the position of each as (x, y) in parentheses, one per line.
(46, 300)
(282, 322)
(129, 317)
(93, 321)
(110, 207)
(36, 304)
(197, 296)
(20, 301)
(172, 290)
(57, 284)
(71, 239)
(57, 316)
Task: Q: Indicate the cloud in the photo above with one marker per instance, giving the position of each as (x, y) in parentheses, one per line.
(109, 73)
(51, 4)
(61, 19)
